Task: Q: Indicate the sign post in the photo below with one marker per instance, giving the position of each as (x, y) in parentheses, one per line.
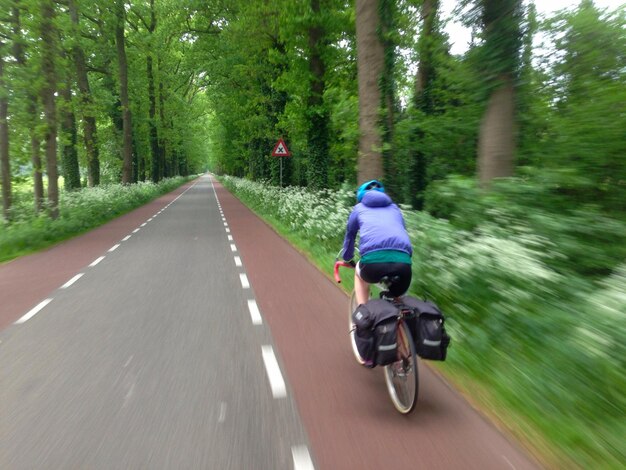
(281, 150)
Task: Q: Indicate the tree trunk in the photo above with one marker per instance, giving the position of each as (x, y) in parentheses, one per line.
(318, 122)
(5, 166)
(69, 153)
(157, 170)
(496, 142)
(48, 41)
(370, 64)
(422, 101)
(86, 101)
(32, 109)
(163, 152)
(127, 134)
(501, 48)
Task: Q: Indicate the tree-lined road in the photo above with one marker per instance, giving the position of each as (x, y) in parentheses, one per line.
(152, 354)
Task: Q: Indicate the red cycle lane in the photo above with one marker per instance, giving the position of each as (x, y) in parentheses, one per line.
(345, 408)
(26, 281)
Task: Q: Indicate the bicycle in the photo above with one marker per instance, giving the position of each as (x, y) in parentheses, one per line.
(401, 376)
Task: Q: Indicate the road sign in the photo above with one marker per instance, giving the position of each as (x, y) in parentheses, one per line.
(280, 149)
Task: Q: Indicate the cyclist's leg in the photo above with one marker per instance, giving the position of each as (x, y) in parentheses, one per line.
(361, 287)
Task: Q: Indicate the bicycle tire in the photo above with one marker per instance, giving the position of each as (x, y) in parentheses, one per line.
(352, 329)
(402, 376)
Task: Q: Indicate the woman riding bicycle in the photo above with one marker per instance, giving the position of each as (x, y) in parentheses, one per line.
(384, 244)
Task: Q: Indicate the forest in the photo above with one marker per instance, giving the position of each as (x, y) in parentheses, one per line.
(515, 146)
(121, 92)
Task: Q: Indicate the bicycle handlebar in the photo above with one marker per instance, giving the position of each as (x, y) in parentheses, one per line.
(339, 263)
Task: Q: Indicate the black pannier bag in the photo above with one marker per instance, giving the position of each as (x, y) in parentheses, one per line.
(428, 329)
(376, 331)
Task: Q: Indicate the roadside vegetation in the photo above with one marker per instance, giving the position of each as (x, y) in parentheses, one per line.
(80, 211)
(538, 331)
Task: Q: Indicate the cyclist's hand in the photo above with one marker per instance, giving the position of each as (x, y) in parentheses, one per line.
(352, 263)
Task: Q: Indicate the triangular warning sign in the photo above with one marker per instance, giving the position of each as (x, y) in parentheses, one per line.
(280, 149)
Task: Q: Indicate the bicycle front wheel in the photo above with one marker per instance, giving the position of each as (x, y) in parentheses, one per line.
(402, 376)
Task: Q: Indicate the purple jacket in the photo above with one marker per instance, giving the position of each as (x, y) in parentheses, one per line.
(381, 225)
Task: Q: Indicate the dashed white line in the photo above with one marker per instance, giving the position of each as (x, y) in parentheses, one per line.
(509, 462)
(301, 458)
(227, 230)
(96, 262)
(136, 230)
(72, 281)
(233, 247)
(222, 417)
(237, 261)
(225, 224)
(126, 238)
(230, 238)
(254, 313)
(33, 312)
(114, 247)
(143, 225)
(277, 384)
(244, 281)
(150, 219)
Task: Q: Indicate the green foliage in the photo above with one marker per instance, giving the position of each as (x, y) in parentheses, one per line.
(547, 344)
(588, 241)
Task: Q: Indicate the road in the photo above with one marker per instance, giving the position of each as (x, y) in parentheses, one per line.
(187, 334)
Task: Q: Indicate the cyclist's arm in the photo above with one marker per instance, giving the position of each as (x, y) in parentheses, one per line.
(350, 238)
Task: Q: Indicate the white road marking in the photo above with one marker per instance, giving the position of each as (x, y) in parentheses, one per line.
(136, 230)
(244, 281)
(227, 230)
(509, 462)
(230, 238)
(96, 262)
(301, 458)
(126, 238)
(128, 362)
(143, 225)
(233, 247)
(254, 313)
(113, 248)
(222, 417)
(225, 224)
(150, 219)
(237, 261)
(277, 384)
(33, 312)
(72, 281)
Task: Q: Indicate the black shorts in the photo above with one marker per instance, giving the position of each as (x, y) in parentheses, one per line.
(374, 272)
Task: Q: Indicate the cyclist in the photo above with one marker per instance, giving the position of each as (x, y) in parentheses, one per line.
(384, 243)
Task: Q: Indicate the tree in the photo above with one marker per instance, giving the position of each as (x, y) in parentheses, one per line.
(86, 100)
(5, 164)
(69, 134)
(370, 63)
(32, 106)
(127, 136)
(49, 35)
(318, 114)
(423, 99)
(500, 53)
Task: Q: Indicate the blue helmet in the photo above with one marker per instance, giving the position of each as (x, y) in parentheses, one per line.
(372, 184)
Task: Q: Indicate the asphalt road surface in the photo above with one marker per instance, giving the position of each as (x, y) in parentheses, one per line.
(188, 335)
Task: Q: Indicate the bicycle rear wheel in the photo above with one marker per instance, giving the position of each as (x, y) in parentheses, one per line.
(402, 376)
(352, 329)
